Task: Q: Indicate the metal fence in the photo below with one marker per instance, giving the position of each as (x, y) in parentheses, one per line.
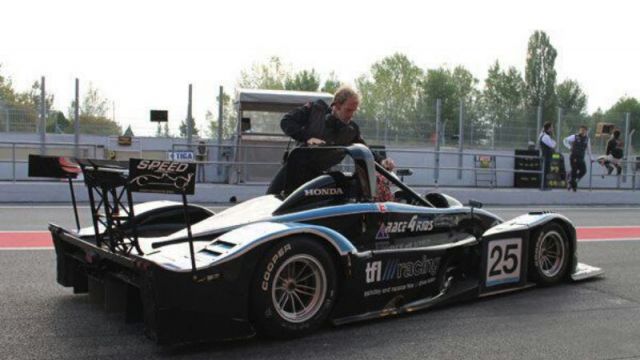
(443, 123)
(251, 164)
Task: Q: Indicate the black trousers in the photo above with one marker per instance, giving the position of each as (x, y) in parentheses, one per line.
(578, 169)
(546, 160)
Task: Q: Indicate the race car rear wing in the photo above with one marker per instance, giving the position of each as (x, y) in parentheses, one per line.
(59, 167)
(110, 185)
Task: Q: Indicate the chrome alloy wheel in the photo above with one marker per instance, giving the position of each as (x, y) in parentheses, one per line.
(299, 288)
(551, 253)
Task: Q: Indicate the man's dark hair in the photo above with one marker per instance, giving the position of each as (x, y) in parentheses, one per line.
(584, 127)
(547, 125)
(616, 133)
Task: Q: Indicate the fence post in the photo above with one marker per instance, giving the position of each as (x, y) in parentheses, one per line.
(436, 171)
(539, 119)
(558, 137)
(627, 141)
(76, 121)
(13, 160)
(43, 119)
(460, 139)
(590, 175)
(386, 130)
(220, 119)
(6, 111)
(189, 120)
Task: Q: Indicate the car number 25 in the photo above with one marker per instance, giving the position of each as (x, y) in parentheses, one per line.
(504, 259)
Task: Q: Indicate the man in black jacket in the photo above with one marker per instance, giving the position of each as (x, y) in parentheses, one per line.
(316, 123)
(547, 146)
(579, 144)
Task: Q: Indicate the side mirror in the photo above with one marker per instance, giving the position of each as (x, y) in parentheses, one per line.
(475, 204)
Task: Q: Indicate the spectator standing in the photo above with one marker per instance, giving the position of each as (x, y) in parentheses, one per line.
(580, 144)
(201, 158)
(547, 146)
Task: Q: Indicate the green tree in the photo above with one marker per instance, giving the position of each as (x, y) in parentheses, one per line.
(389, 97)
(7, 93)
(98, 125)
(93, 114)
(57, 123)
(31, 98)
(450, 87)
(540, 74)
(573, 102)
(270, 75)
(331, 84)
(616, 114)
(229, 118)
(571, 98)
(183, 128)
(128, 132)
(502, 101)
(94, 104)
(303, 81)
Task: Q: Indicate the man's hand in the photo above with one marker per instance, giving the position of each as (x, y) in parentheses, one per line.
(315, 141)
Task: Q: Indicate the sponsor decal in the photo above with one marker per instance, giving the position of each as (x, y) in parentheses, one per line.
(413, 225)
(382, 208)
(382, 233)
(272, 263)
(181, 155)
(323, 192)
(396, 270)
(161, 176)
(162, 166)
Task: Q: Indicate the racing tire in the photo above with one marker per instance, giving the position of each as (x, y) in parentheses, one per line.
(294, 288)
(550, 255)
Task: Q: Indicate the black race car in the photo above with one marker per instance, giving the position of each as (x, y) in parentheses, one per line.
(326, 253)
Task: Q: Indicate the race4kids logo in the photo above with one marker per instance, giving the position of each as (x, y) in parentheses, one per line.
(393, 269)
(395, 227)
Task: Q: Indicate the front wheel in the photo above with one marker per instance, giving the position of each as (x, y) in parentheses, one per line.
(294, 288)
(550, 255)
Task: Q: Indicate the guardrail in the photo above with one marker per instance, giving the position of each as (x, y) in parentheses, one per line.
(428, 165)
(20, 153)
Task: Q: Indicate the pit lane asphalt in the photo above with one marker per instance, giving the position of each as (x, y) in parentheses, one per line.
(597, 319)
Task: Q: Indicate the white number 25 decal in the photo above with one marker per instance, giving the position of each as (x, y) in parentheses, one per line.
(504, 258)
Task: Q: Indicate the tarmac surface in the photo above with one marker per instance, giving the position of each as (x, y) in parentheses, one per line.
(596, 319)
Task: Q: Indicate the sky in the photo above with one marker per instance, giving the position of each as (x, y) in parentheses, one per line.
(142, 55)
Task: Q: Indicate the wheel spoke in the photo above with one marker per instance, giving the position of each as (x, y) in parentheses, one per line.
(283, 300)
(304, 292)
(306, 277)
(295, 296)
(299, 273)
(289, 268)
(281, 279)
(293, 303)
(306, 287)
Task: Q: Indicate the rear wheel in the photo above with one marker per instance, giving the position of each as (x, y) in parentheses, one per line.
(550, 254)
(294, 288)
